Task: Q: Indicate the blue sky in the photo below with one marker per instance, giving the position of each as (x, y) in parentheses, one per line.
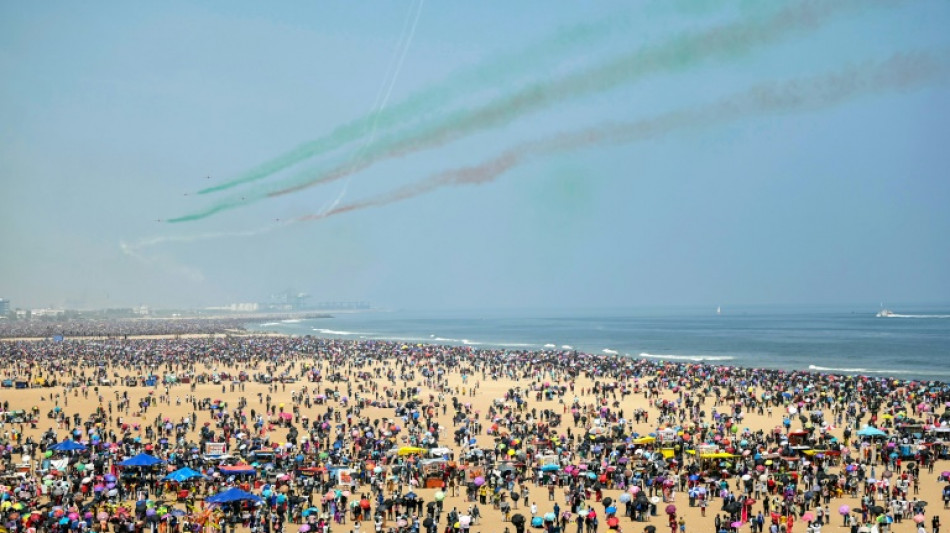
(113, 114)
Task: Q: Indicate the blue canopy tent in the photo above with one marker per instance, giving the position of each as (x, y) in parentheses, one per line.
(183, 474)
(233, 495)
(868, 431)
(68, 446)
(142, 459)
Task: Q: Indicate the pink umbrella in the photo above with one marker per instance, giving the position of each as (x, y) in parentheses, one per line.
(919, 518)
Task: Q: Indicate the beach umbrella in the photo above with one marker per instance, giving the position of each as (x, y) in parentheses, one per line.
(624, 498)
(919, 518)
(517, 518)
(550, 517)
(670, 509)
(439, 496)
(844, 509)
(304, 528)
(610, 510)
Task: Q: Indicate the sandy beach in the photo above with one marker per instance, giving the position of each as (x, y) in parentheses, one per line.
(566, 432)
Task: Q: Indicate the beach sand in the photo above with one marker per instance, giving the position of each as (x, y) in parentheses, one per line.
(476, 391)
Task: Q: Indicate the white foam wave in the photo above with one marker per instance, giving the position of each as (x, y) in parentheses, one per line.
(470, 343)
(567, 347)
(291, 321)
(858, 370)
(608, 351)
(334, 332)
(515, 344)
(688, 357)
(265, 324)
(549, 345)
(895, 315)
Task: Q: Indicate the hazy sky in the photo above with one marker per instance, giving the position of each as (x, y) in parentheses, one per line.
(469, 155)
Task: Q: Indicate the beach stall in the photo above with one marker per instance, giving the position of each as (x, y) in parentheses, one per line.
(433, 471)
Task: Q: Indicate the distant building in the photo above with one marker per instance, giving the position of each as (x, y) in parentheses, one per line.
(4, 306)
(342, 306)
(236, 308)
(47, 312)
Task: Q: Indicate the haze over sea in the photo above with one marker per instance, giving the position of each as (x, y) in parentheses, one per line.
(913, 344)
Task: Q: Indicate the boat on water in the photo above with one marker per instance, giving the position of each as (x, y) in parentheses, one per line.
(884, 313)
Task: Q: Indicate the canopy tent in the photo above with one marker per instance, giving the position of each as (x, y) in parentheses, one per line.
(232, 495)
(237, 470)
(183, 474)
(713, 455)
(142, 459)
(68, 446)
(868, 431)
(409, 450)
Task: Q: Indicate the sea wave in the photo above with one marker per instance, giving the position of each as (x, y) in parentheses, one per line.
(266, 324)
(567, 347)
(515, 344)
(291, 321)
(608, 351)
(688, 357)
(895, 315)
(549, 345)
(334, 332)
(858, 370)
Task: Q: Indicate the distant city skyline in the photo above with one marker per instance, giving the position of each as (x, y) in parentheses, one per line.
(431, 156)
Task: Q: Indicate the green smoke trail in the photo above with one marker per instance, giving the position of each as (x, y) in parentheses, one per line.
(899, 72)
(489, 74)
(723, 42)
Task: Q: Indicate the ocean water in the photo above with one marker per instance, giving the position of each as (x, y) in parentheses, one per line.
(914, 344)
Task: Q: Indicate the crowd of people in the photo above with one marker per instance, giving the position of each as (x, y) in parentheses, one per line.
(322, 435)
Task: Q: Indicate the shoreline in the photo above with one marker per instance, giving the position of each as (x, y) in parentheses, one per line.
(654, 362)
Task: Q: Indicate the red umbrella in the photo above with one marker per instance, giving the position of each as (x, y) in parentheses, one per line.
(671, 509)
